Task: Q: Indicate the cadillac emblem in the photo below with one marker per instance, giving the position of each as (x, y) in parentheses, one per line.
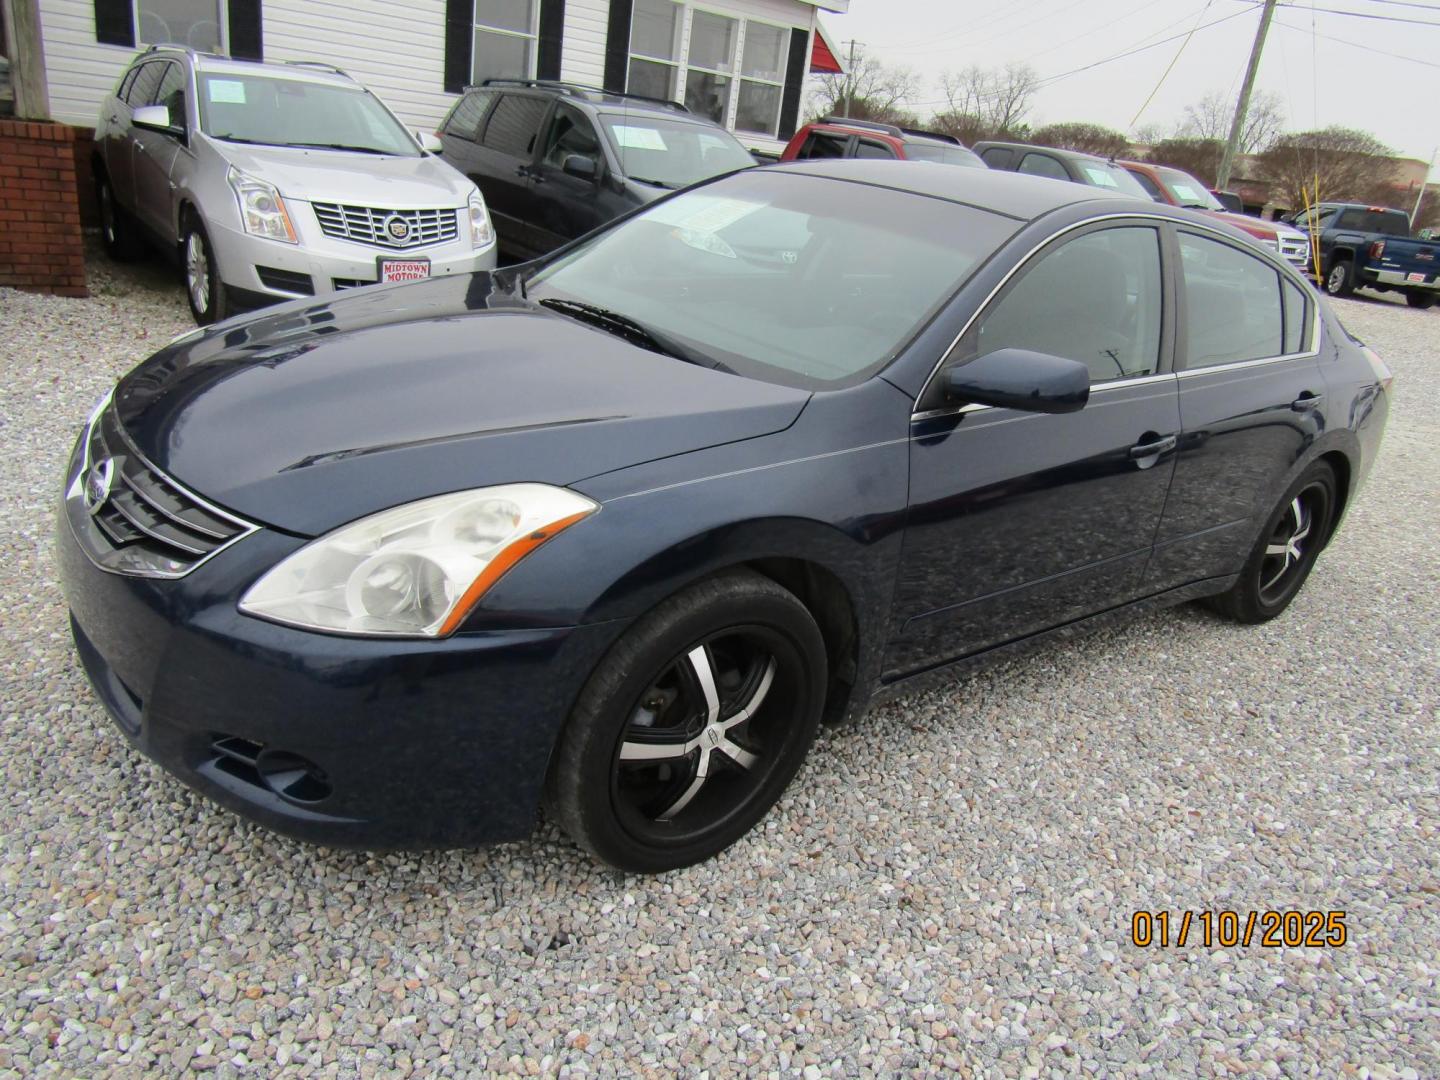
(97, 484)
(397, 228)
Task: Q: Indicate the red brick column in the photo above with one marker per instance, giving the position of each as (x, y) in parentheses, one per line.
(41, 249)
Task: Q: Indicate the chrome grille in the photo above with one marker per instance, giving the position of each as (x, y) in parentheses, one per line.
(1295, 249)
(144, 523)
(394, 229)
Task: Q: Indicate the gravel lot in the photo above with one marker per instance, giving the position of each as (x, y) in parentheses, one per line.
(948, 888)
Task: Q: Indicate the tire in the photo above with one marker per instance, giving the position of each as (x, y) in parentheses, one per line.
(652, 772)
(1286, 550)
(204, 290)
(117, 230)
(1420, 300)
(1340, 278)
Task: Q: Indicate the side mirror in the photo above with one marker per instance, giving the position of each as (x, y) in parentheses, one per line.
(154, 118)
(1021, 379)
(431, 144)
(581, 166)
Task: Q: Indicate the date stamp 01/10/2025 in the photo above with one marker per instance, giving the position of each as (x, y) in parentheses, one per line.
(1228, 929)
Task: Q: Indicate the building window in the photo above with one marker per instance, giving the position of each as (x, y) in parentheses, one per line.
(505, 39)
(710, 65)
(762, 78)
(193, 23)
(655, 48)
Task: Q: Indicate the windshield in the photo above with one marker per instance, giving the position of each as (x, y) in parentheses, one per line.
(796, 279)
(671, 153)
(1105, 174)
(1187, 191)
(294, 112)
(947, 155)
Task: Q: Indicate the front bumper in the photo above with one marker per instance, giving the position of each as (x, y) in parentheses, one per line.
(340, 741)
(265, 269)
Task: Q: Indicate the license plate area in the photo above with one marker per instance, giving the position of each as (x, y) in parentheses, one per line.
(390, 270)
(1418, 278)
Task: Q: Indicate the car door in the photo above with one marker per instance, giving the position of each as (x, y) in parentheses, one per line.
(505, 159)
(567, 206)
(154, 155)
(1022, 521)
(1251, 401)
(873, 149)
(119, 148)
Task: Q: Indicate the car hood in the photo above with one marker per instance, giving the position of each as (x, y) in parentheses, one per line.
(312, 415)
(1264, 230)
(396, 183)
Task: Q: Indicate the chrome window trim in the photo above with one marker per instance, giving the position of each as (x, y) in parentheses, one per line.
(1029, 255)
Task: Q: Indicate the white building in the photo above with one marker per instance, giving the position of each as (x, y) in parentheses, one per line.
(742, 62)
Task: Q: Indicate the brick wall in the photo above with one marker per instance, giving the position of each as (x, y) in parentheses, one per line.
(41, 249)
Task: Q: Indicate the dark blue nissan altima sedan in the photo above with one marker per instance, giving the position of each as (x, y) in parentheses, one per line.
(615, 531)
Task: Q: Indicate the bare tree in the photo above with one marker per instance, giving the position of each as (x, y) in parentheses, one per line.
(1210, 118)
(1348, 164)
(1198, 157)
(1151, 133)
(987, 102)
(872, 90)
(1087, 138)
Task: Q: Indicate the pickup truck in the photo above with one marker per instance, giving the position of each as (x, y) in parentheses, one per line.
(1370, 246)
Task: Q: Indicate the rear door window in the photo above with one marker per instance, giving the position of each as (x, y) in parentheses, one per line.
(1043, 165)
(869, 148)
(514, 124)
(1233, 306)
(1296, 310)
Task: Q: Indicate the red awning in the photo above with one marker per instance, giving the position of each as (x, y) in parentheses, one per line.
(822, 60)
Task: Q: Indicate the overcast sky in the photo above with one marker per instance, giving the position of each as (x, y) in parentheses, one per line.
(1397, 100)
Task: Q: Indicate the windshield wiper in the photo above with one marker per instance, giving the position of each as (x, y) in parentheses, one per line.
(634, 332)
(336, 146)
(656, 183)
(241, 139)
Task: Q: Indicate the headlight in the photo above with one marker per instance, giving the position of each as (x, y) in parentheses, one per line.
(415, 570)
(481, 233)
(261, 207)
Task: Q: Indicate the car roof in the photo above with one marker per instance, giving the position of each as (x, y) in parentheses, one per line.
(299, 70)
(1074, 155)
(1013, 194)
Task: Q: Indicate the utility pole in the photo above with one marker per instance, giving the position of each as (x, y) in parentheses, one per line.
(1420, 195)
(850, 81)
(1237, 127)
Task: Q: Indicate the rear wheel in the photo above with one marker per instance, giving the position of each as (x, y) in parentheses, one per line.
(1340, 280)
(1286, 550)
(117, 230)
(692, 726)
(1420, 300)
(203, 288)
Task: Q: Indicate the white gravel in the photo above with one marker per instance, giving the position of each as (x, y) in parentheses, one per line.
(947, 889)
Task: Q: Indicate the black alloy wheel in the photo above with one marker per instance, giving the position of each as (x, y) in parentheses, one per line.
(1286, 551)
(692, 726)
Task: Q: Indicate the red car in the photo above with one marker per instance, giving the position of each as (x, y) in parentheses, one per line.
(1177, 188)
(835, 137)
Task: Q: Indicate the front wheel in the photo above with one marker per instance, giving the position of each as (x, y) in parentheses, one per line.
(1340, 281)
(692, 726)
(1420, 300)
(203, 288)
(1286, 550)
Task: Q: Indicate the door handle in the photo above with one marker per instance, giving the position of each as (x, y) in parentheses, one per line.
(140, 146)
(1307, 401)
(1158, 445)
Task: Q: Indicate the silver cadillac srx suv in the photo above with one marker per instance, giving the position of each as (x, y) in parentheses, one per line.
(271, 181)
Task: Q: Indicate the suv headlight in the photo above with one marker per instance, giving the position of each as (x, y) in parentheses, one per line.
(415, 570)
(482, 234)
(261, 207)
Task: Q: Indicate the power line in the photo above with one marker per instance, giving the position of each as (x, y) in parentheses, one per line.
(1357, 45)
(1358, 14)
(1171, 66)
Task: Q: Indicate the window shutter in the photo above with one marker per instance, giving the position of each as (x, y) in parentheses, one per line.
(246, 35)
(617, 45)
(115, 22)
(552, 39)
(794, 82)
(459, 43)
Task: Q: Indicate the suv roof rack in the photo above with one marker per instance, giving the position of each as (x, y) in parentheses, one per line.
(578, 90)
(168, 46)
(891, 129)
(319, 65)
